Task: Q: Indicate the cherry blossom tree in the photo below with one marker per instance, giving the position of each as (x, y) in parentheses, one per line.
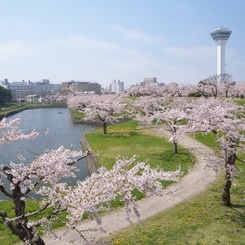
(168, 90)
(209, 87)
(162, 111)
(133, 90)
(46, 176)
(104, 108)
(238, 90)
(216, 85)
(175, 90)
(10, 131)
(225, 90)
(225, 120)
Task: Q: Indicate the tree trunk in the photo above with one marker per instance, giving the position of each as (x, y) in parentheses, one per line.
(175, 147)
(23, 232)
(38, 242)
(175, 144)
(20, 227)
(104, 127)
(226, 196)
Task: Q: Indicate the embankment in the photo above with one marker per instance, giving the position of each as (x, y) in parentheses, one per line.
(23, 108)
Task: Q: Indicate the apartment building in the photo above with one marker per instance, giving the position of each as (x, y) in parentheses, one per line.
(22, 89)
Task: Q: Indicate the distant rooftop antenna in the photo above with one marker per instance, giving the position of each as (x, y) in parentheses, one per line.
(220, 36)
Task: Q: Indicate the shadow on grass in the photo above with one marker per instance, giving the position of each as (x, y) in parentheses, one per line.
(177, 159)
(239, 214)
(115, 134)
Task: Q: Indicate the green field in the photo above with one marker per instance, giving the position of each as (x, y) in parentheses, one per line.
(201, 220)
(126, 140)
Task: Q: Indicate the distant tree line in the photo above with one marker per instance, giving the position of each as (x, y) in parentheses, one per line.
(5, 95)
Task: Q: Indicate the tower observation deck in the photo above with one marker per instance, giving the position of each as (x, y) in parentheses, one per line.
(220, 36)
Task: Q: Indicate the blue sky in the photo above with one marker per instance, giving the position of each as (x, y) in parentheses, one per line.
(103, 40)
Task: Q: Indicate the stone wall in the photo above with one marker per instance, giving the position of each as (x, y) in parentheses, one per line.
(91, 160)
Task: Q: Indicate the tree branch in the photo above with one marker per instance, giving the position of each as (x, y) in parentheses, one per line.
(9, 224)
(88, 153)
(5, 192)
(9, 176)
(237, 158)
(27, 215)
(52, 214)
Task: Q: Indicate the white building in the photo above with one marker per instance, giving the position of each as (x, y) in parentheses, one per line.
(33, 98)
(116, 86)
(21, 89)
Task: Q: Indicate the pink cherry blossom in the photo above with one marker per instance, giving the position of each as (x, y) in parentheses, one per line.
(47, 177)
(226, 121)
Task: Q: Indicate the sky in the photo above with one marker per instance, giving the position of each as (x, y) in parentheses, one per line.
(127, 40)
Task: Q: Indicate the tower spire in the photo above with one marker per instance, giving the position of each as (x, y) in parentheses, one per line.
(220, 36)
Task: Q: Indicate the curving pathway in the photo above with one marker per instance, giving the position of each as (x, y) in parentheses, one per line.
(192, 183)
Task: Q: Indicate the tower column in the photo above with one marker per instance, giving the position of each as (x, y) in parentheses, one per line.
(220, 57)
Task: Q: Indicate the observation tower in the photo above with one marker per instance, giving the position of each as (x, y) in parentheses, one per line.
(220, 36)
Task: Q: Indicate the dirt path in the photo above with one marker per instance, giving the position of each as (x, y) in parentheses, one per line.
(192, 183)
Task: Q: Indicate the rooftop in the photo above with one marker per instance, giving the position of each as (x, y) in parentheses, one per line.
(221, 33)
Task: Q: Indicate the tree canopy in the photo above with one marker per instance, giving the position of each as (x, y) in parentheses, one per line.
(5, 95)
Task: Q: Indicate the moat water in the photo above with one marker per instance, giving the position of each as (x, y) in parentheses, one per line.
(61, 131)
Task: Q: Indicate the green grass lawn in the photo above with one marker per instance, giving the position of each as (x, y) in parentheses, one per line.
(6, 238)
(76, 114)
(201, 220)
(240, 101)
(126, 140)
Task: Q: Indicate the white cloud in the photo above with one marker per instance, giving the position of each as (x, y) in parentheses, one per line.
(200, 52)
(85, 58)
(14, 50)
(85, 42)
(136, 34)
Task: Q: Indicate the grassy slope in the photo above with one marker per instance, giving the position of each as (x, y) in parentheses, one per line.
(201, 220)
(6, 238)
(125, 140)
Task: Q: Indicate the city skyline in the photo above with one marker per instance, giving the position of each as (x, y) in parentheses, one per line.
(102, 41)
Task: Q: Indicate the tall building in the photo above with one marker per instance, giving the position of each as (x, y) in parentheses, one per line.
(220, 36)
(116, 86)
